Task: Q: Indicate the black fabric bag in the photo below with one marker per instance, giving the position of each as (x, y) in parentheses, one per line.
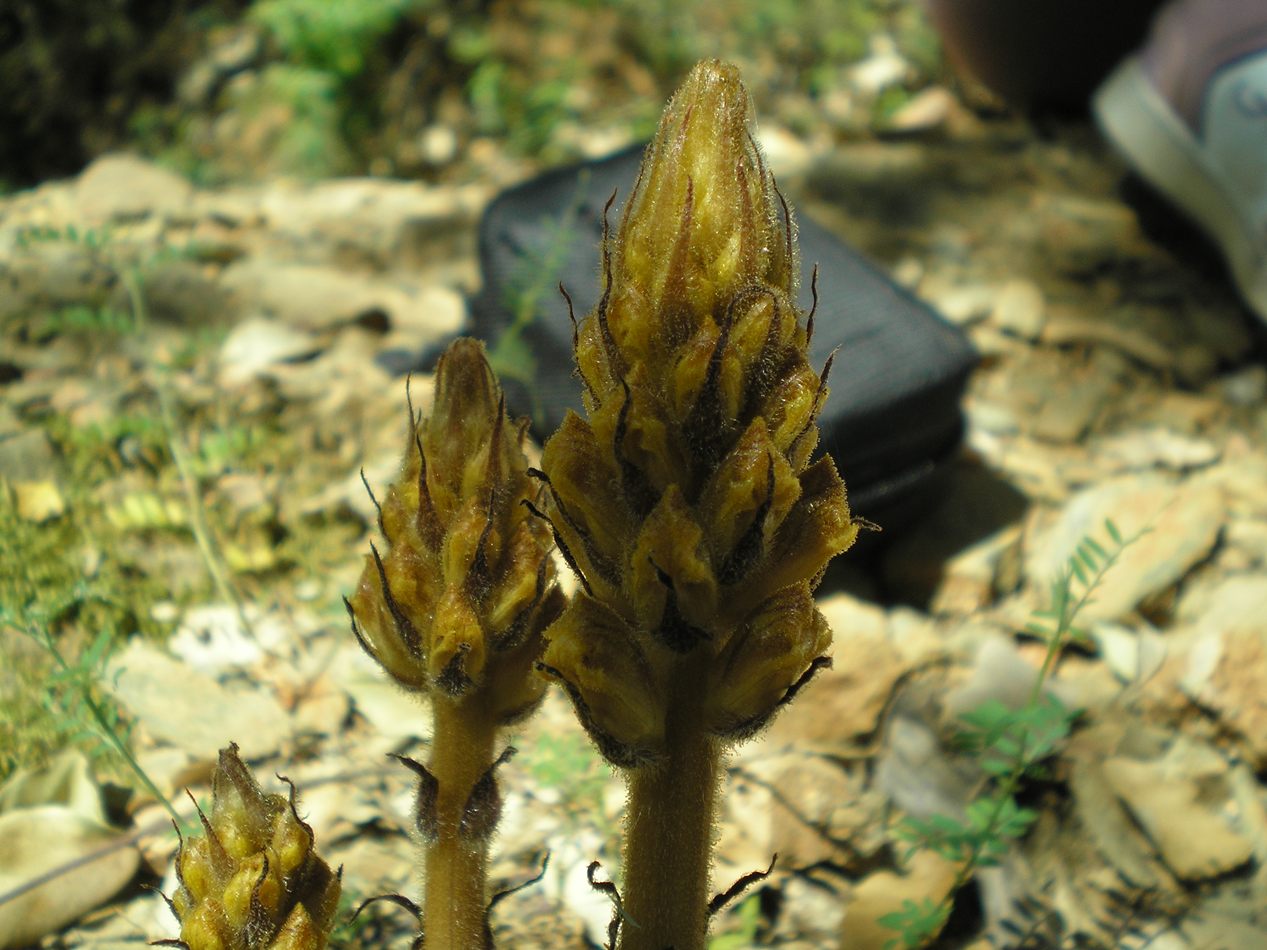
(893, 418)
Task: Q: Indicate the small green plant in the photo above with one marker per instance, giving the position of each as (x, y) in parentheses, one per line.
(310, 141)
(526, 113)
(151, 433)
(567, 763)
(74, 696)
(73, 234)
(350, 927)
(328, 47)
(1011, 746)
(744, 935)
(332, 36)
(534, 280)
(220, 448)
(45, 586)
(92, 314)
(80, 318)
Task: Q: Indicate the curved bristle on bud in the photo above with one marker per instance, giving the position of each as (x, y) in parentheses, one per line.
(253, 881)
(465, 586)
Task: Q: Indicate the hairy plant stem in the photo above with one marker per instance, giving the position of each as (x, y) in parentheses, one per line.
(669, 831)
(455, 860)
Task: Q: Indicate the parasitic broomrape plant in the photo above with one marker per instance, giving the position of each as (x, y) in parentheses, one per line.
(686, 501)
(252, 880)
(454, 611)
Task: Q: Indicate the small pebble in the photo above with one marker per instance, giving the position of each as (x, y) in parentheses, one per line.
(1020, 309)
(1247, 387)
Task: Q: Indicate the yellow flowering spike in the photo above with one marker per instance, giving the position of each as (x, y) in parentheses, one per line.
(465, 580)
(454, 609)
(252, 881)
(686, 500)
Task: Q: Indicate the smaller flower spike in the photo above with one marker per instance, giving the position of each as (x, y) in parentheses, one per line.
(252, 881)
(458, 599)
(453, 608)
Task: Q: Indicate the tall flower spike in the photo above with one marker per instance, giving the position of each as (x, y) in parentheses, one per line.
(252, 881)
(686, 500)
(454, 610)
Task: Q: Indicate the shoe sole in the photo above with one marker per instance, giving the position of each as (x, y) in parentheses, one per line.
(1143, 127)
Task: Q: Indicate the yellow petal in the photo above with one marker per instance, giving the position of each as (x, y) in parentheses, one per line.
(765, 657)
(458, 650)
(298, 933)
(380, 631)
(816, 529)
(595, 523)
(594, 655)
(703, 159)
(752, 482)
(671, 580)
(464, 412)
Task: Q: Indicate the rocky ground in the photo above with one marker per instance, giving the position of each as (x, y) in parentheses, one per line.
(1119, 378)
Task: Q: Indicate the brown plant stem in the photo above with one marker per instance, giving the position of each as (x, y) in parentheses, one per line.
(455, 860)
(669, 830)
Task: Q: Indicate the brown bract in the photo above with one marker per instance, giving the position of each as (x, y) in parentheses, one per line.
(686, 500)
(461, 593)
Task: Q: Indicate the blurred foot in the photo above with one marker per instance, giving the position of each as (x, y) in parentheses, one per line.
(1189, 112)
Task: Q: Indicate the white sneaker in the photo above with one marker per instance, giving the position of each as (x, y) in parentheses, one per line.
(1189, 112)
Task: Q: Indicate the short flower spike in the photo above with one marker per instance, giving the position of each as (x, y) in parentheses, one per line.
(454, 610)
(464, 588)
(252, 881)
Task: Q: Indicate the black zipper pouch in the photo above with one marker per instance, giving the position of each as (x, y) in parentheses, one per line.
(893, 419)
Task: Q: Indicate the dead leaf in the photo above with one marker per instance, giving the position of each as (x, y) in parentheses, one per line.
(50, 819)
(928, 878)
(39, 501)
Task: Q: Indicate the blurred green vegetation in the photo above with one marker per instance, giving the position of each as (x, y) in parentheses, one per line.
(53, 576)
(74, 73)
(100, 532)
(230, 89)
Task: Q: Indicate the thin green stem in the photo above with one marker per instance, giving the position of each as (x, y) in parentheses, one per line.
(1064, 621)
(1067, 613)
(197, 514)
(107, 731)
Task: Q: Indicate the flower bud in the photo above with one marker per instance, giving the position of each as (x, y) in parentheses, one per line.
(253, 881)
